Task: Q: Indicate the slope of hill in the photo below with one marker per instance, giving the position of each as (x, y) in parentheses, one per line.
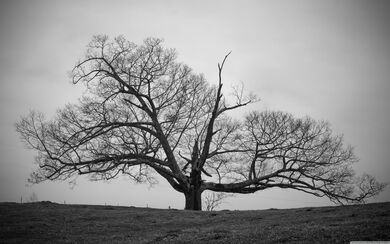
(46, 222)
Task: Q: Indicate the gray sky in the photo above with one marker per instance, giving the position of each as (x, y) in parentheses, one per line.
(326, 59)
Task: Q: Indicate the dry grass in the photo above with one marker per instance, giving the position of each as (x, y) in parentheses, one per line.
(47, 222)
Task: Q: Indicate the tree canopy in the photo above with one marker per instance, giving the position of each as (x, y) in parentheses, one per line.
(144, 114)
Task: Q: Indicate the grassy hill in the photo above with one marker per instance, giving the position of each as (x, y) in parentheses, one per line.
(46, 222)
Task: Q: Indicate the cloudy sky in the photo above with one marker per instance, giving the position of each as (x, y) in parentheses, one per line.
(326, 59)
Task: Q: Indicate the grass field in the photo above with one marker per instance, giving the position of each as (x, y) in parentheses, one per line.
(46, 222)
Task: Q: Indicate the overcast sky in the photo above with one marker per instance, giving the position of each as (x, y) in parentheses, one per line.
(326, 59)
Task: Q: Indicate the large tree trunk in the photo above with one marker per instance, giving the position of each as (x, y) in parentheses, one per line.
(194, 194)
(193, 200)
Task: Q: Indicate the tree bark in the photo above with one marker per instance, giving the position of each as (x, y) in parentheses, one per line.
(194, 195)
(193, 200)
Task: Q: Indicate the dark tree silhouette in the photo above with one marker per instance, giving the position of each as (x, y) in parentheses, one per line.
(145, 113)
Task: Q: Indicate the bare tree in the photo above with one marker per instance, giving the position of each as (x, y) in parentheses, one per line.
(213, 200)
(145, 113)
